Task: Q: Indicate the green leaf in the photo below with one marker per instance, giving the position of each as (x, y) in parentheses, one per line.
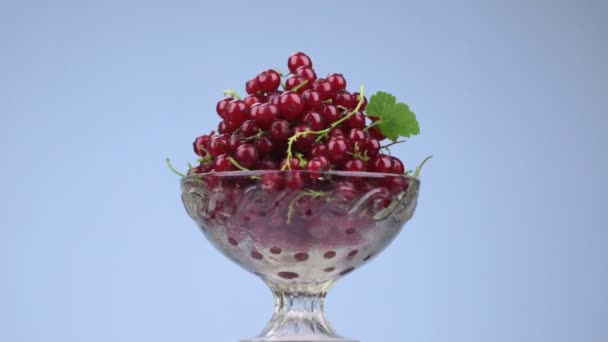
(396, 118)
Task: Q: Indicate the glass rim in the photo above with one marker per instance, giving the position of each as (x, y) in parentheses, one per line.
(360, 174)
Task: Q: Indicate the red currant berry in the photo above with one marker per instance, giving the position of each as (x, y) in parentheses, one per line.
(249, 128)
(201, 145)
(304, 142)
(265, 115)
(294, 180)
(355, 165)
(218, 146)
(356, 137)
(298, 59)
(266, 163)
(236, 113)
(337, 133)
(233, 142)
(294, 164)
(331, 113)
(337, 150)
(222, 163)
(306, 73)
(381, 163)
(290, 105)
(344, 99)
(316, 165)
(220, 108)
(311, 99)
(296, 81)
(264, 145)
(252, 86)
(271, 181)
(318, 150)
(337, 81)
(397, 166)
(246, 155)
(357, 120)
(268, 80)
(224, 128)
(371, 147)
(315, 120)
(376, 133)
(252, 99)
(280, 131)
(323, 87)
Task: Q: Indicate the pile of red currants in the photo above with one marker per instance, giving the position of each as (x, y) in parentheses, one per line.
(312, 124)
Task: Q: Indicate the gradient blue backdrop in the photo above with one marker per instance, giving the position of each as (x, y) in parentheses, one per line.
(509, 242)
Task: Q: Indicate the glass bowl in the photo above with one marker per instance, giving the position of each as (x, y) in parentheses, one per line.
(300, 232)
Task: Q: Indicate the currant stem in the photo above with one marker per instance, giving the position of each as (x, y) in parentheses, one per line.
(299, 86)
(238, 166)
(375, 123)
(393, 143)
(232, 93)
(419, 167)
(173, 169)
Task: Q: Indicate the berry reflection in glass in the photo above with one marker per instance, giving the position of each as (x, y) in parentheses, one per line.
(300, 231)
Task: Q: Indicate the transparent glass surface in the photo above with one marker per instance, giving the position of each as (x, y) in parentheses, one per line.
(300, 232)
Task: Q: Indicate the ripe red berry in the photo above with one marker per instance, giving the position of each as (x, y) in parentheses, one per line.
(220, 108)
(201, 145)
(381, 163)
(223, 128)
(218, 146)
(371, 147)
(323, 87)
(316, 165)
(397, 166)
(252, 99)
(246, 155)
(252, 87)
(265, 115)
(268, 80)
(337, 150)
(294, 164)
(236, 113)
(315, 120)
(318, 150)
(355, 165)
(264, 145)
(337, 133)
(298, 59)
(267, 163)
(290, 105)
(311, 99)
(356, 138)
(222, 163)
(296, 81)
(304, 142)
(331, 113)
(280, 130)
(337, 81)
(357, 120)
(249, 128)
(344, 99)
(306, 73)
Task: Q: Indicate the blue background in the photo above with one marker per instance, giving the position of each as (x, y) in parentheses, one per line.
(509, 242)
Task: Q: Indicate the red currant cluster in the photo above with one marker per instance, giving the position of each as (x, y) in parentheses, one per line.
(314, 124)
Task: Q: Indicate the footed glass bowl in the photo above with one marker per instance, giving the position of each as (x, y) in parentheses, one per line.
(300, 232)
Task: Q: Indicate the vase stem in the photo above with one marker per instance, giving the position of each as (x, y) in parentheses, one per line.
(299, 315)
